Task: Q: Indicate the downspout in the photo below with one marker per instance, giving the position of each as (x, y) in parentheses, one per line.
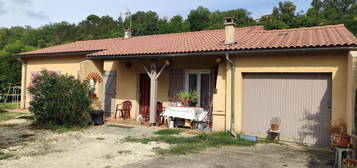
(23, 83)
(231, 130)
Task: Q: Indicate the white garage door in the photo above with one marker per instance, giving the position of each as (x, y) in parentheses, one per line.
(301, 100)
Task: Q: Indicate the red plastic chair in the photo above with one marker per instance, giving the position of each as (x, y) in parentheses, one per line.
(124, 110)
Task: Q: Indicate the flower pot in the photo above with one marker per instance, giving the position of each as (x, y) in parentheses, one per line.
(342, 141)
(192, 104)
(274, 127)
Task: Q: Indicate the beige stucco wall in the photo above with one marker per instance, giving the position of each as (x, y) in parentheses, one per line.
(88, 67)
(127, 79)
(65, 64)
(332, 62)
(219, 100)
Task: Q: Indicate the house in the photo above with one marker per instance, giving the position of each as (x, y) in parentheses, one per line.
(243, 76)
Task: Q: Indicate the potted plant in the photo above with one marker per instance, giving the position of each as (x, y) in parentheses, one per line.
(183, 98)
(193, 99)
(340, 137)
(275, 123)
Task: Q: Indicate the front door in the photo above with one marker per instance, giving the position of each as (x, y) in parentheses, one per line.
(144, 96)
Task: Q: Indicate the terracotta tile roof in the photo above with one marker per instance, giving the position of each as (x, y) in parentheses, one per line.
(248, 38)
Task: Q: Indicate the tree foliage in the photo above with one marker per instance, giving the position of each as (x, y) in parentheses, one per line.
(19, 39)
(321, 12)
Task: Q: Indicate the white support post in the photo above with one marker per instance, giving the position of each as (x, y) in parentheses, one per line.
(153, 91)
(154, 75)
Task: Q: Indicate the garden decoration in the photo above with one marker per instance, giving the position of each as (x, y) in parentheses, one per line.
(339, 132)
(275, 123)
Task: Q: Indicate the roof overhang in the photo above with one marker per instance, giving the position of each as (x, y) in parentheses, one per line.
(56, 54)
(215, 53)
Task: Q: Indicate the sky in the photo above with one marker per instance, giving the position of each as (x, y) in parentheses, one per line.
(36, 13)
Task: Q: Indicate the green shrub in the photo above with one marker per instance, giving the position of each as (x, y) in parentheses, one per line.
(59, 101)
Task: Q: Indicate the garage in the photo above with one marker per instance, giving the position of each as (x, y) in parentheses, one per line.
(302, 101)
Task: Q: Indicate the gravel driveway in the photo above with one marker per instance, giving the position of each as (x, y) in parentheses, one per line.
(97, 147)
(101, 147)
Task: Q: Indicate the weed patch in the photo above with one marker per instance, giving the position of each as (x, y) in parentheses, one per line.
(5, 115)
(184, 145)
(168, 132)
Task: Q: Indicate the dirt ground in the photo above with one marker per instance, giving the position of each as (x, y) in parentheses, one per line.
(101, 147)
(259, 156)
(95, 147)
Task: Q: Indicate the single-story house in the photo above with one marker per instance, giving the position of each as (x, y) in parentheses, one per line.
(244, 77)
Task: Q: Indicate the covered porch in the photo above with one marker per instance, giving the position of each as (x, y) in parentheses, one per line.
(148, 81)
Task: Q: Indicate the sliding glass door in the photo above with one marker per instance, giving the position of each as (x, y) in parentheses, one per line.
(199, 81)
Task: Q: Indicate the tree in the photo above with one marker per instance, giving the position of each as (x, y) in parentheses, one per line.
(242, 18)
(282, 17)
(199, 19)
(144, 23)
(95, 27)
(176, 25)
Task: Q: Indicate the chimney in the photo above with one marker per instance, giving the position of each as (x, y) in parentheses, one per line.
(127, 33)
(230, 30)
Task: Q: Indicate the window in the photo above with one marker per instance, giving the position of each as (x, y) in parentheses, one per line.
(192, 82)
(198, 81)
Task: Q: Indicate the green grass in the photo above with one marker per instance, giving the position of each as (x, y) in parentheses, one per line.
(184, 145)
(5, 115)
(168, 132)
(9, 105)
(182, 149)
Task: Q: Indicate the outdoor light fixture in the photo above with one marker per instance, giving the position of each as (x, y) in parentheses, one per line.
(167, 62)
(218, 60)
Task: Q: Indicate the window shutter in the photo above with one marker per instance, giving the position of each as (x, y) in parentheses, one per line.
(175, 83)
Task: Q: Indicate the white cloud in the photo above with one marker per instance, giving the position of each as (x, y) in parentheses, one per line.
(2, 8)
(22, 2)
(36, 15)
